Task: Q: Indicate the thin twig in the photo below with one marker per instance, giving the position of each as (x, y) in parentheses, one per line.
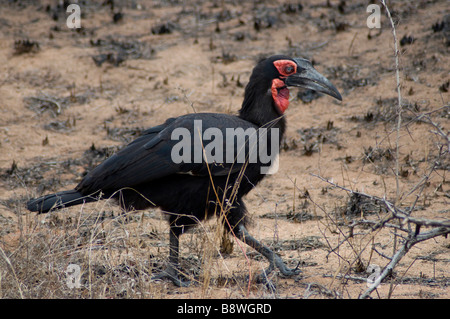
(399, 95)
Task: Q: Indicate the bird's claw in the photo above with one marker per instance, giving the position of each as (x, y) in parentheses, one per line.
(288, 272)
(263, 277)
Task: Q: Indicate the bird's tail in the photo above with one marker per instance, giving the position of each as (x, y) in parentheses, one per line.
(58, 200)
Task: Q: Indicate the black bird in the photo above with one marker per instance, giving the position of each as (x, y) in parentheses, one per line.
(192, 169)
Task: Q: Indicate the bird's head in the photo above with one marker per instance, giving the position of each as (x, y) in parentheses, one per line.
(276, 74)
(297, 72)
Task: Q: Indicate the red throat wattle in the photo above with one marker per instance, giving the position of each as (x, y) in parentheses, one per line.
(280, 95)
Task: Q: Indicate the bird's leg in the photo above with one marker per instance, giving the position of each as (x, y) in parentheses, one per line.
(274, 259)
(172, 271)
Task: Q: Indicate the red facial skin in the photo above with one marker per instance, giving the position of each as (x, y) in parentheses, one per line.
(285, 67)
(280, 93)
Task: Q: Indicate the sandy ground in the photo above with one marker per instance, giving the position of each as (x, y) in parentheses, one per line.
(71, 97)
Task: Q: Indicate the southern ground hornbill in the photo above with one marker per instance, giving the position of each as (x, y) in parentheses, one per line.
(169, 167)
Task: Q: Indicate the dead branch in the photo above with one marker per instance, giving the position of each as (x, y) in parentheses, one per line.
(395, 211)
(416, 238)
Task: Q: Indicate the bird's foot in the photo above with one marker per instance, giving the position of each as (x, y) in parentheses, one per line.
(263, 277)
(174, 275)
(288, 272)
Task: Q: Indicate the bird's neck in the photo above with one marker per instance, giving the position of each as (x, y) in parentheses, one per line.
(259, 108)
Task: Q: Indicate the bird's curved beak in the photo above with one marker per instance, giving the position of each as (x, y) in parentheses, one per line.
(307, 77)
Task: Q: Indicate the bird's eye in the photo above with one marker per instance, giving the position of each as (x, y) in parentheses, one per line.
(288, 69)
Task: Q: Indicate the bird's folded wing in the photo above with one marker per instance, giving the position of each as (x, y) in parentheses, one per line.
(150, 156)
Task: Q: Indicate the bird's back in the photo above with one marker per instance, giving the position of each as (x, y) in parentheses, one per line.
(163, 150)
